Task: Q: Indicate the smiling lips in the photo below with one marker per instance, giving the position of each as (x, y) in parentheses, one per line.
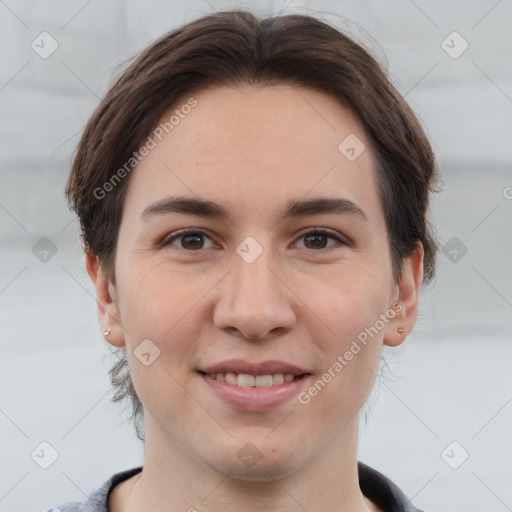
(238, 372)
(245, 380)
(254, 386)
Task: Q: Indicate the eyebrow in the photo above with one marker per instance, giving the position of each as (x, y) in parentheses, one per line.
(294, 208)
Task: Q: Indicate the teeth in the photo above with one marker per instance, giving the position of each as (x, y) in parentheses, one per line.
(231, 379)
(263, 381)
(277, 378)
(246, 381)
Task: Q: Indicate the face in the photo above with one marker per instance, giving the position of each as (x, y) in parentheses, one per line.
(257, 291)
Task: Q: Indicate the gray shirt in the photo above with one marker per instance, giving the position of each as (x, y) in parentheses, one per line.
(374, 485)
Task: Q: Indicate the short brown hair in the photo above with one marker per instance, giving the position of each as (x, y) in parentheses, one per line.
(238, 48)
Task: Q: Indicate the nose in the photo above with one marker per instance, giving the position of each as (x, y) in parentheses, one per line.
(255, 300)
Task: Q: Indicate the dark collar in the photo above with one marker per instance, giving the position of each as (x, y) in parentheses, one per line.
(382, 491)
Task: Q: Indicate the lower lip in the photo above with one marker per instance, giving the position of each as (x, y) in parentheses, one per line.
(254, 398)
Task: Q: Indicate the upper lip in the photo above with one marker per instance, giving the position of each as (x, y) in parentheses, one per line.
(239, 366)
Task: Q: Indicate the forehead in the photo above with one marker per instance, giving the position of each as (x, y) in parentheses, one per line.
(250, 147)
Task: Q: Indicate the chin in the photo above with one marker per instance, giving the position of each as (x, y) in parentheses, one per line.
(257, 465)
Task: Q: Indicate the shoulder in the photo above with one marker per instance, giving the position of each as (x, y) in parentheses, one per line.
(382, 491)
(97, 501)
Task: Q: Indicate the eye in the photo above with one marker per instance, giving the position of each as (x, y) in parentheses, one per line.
(192, 239)
(317, 237)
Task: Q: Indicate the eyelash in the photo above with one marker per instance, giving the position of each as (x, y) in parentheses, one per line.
(317, 231)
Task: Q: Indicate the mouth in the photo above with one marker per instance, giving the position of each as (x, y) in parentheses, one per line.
(254, 386)
(244, 380)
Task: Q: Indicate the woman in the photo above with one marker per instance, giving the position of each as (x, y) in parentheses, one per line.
(253, 197)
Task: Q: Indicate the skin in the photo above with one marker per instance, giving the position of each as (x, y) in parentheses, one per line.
(252, 150)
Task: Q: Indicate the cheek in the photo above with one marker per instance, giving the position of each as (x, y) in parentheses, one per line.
(353, 301)
(351, 348)
(155, 299)
(163, 307)
(155, 308)
(344, 382)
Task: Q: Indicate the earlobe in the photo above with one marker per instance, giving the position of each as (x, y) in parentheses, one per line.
(408, 295)
(108, 310)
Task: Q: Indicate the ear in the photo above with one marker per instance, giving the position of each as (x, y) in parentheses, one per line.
(108, 309)
(405, 302)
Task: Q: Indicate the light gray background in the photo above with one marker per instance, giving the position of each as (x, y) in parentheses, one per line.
(450, 381)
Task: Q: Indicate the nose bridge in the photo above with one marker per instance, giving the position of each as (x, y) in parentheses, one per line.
(254, 301)
(253, 281)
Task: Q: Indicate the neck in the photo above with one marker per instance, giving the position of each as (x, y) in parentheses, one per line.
(173, 479)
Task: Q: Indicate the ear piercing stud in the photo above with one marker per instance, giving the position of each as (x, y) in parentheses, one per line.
(401, 330)
(106, 333)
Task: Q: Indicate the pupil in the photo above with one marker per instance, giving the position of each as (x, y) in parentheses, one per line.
(309, 237)
(188, 237)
